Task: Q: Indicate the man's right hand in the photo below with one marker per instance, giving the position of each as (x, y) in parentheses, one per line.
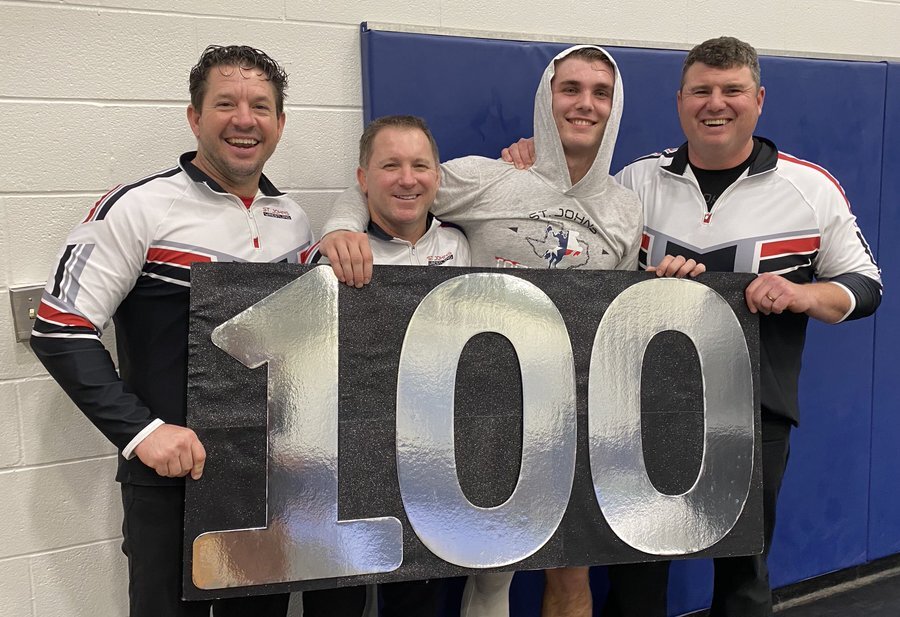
(173, 451)
(677, 267)
(350, 256)
(521, 154)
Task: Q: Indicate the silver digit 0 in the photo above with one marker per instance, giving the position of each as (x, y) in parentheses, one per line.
(641, 516)
(303, 538)
(451, 526)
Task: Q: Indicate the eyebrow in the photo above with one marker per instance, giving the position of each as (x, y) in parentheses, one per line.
(730, 84)
(576, 82)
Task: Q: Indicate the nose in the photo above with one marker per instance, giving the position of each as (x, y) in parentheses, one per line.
(716, 99)
(585, 100)
(406, 176)
(242, 117)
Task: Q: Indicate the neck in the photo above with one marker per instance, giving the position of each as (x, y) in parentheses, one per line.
(243, 190)
(579, 163)
(715, 160)
(578, 168)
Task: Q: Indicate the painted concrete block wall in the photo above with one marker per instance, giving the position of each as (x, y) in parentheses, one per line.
(93, 94)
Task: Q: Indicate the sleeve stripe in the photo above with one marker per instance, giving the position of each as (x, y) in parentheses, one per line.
(54, 316)
(310, 255)
(175, 258)
(821, 170)
(791, 246)
(61, 269)
(109, 200)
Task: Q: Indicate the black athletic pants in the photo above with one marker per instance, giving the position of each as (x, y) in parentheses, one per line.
(403, 599)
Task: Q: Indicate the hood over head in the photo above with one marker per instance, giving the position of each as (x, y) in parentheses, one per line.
(551, 160)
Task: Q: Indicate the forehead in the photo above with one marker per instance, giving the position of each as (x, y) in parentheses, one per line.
(593, 72)
(397, 141)
(225, 76)
(699, 73)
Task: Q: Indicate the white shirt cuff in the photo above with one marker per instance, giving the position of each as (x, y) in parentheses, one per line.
(852, 300)
(128, 452)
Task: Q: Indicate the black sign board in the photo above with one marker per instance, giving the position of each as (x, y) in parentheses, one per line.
(445, 421)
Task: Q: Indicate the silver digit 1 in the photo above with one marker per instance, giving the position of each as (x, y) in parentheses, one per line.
(448, 524)
(303, 539)
(641, 516)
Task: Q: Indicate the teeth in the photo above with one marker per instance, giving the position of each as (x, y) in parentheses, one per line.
(406, 197)
(245, 142)
(716, 122)
(579, 122)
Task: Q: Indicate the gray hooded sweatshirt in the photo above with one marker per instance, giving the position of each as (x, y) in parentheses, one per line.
(533, 218)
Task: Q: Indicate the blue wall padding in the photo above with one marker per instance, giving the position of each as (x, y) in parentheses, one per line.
(830, 112)
(884, 519)
(840, 505)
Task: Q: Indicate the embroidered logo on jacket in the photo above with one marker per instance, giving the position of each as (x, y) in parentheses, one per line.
(276, 213)
(439, 260)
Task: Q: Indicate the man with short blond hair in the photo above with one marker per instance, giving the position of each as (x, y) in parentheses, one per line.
(565, 213)
(399, 173)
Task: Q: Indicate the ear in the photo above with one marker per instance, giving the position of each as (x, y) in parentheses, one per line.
(760, 98)
(361, 180)
(281, 120)
(193, 117)
(678, 100)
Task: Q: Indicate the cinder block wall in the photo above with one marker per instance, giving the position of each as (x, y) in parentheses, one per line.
(93, 94)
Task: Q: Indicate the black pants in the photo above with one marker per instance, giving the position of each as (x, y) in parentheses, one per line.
(741, 584)
(153, 527)
(637, 590)
(403, 599)
(741, 587)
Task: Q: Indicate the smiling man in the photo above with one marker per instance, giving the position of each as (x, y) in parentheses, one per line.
(732, 202)
(237, 120)
(566, 212)
(129, 262)
(735, 203)
(399, 174)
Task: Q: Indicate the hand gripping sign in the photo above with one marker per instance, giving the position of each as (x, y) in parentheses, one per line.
(443, 421)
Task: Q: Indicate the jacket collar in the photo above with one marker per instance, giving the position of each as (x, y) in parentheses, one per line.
(375, 230)
(766, 159)
(194, 173)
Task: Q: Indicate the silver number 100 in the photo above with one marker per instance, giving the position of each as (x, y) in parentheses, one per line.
(294, 330)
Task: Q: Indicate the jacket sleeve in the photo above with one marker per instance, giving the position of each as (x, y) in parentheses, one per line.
(85, 371)
(99, 264)
(349, 212)
(844, 256)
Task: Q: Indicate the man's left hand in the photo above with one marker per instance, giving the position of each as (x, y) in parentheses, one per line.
(773, 294)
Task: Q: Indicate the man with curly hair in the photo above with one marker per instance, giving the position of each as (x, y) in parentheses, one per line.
(129, 262)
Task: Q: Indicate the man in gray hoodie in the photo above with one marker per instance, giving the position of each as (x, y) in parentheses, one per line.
(564, 212)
